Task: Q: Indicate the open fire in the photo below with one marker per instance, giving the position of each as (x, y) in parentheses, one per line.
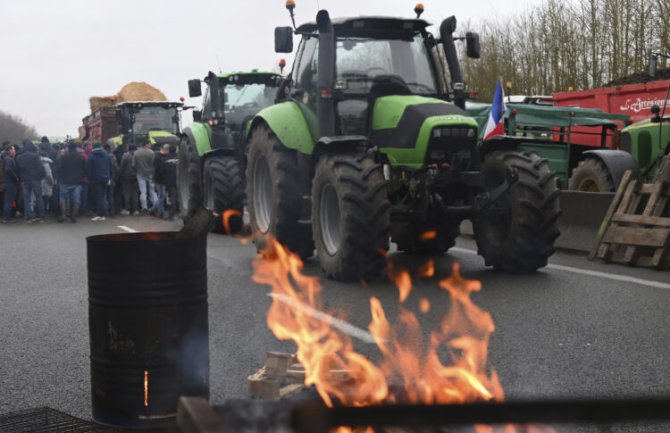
(451, 367)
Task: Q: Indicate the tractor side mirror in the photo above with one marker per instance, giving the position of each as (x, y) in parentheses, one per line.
(283, 40)
(194, 88)
(197, 115)
(472, 45)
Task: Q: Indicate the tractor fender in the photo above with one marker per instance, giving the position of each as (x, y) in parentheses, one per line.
(198, 134)
(344, 143)
(499, 142)
(287, 121)
(617, 163)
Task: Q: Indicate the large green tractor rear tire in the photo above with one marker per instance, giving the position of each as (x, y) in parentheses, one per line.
(350, 216)
(518, 236)
(591, 175)
(273, 194)
(189, 178)
(224, 191)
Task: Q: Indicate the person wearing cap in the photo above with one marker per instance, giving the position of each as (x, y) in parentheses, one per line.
(99, 172)
(128, 178)
(70, 171)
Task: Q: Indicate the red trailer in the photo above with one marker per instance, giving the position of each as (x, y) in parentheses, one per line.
(634, 100)
(100, 125)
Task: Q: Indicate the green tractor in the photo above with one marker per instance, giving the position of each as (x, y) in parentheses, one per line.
(156, 121)
(649, 143)
(211, 165)
(364, 147)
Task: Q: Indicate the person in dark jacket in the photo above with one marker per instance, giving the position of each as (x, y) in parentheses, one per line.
(31, 172)
(11, 178)
(99, 172)
(169, 170)
(70, 171)
(128, 177)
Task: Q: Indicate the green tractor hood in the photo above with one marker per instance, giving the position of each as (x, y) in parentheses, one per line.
(402, 126)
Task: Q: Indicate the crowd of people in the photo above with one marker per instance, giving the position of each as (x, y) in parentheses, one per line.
(75, 179)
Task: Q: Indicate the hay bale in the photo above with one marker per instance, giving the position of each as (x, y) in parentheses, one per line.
(140, 91)
(98, 102)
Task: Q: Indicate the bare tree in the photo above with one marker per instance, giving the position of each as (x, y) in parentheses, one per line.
(14, 129)
(576, 44)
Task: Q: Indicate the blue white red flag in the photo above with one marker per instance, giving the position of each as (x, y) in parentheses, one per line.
(496, 123)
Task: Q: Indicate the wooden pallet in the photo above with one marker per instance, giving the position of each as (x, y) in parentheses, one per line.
(636, 228)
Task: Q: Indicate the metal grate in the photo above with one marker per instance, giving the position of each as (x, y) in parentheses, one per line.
(47, 420)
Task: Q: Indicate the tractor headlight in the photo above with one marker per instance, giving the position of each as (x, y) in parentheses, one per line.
(437, 132)
(471, 133)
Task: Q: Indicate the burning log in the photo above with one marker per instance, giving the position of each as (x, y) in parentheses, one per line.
(283, 376)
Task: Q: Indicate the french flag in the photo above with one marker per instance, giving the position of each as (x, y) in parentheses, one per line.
(496, 123)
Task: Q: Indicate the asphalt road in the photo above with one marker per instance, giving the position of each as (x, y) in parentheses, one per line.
(575, 329)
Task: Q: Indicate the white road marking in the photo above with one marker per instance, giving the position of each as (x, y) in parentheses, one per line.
(338, 324)
(127, 229)
(580, 271)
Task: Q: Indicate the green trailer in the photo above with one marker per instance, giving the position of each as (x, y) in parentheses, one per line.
(578, 143)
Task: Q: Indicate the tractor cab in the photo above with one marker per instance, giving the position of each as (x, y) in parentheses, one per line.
(156, 121)
(377, 78)
(231, 101)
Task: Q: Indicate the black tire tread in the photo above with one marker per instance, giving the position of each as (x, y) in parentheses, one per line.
(535, 209)
(286, 228)
(227, 183)
(365, 209)
(595, 170)
(188, 151)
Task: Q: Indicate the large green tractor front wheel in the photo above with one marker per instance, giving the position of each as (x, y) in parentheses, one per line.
(189, 178)
(224, 192)
(350, 216)
(273, 194)
(517, 233)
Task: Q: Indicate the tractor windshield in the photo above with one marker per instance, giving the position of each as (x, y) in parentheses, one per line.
(363, 61)
(242, 101)
(148, 119)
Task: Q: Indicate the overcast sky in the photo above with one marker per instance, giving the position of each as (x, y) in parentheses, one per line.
(56, 54)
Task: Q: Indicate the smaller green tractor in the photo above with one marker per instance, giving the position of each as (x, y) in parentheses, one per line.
(649, 143)
(212, 160)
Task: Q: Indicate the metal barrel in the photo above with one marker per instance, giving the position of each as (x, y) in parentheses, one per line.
(148, 325)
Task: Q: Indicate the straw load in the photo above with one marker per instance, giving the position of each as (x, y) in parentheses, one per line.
(135, 91)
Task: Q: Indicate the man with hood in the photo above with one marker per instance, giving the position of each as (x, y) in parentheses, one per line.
(99, 171)
(11, 178)
(31, 172)
(70, 170)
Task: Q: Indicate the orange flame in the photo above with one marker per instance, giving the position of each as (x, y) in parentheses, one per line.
(427, 376)
(428, 236)
(226, 217)
(146, 388)
(464, 332)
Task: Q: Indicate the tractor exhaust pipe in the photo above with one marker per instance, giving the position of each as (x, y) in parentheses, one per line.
(447, 29)
(325, 102)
